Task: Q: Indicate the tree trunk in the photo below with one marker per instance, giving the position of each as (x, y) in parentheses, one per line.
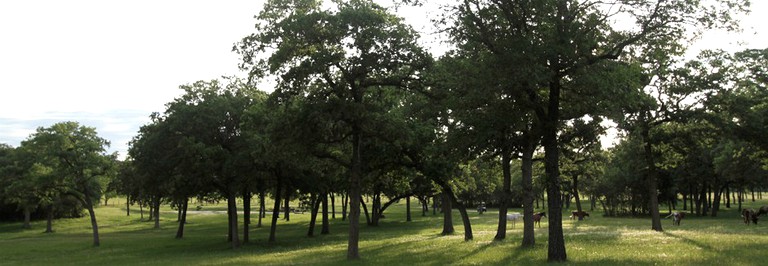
(313, 215)
(344, 205)
(275, 213)
(353, 249)
(156, 211)
(128, 205)
(447, 216)
(451, 198)
(49, 222)
(262, 208)
(178, 213)
(716, 200)
(232, 206)
(183, 219)
(333, 206)
(408, 209)
(287, 205)
(506, 191)
(741, 197)
(94, 226)
(653, 193)
(365, 210)
(727, 196)
(151, 206)
(526, 168)
(375, 209)
(556, 247)
(246, 214)
(434, 205)
(141, 211)
(27, 218)
(576, 194)
(703, 199)
(326, 226)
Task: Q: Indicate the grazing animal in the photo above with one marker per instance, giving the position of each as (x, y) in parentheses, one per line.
(513, 217)
(749, 214)
(762, 210)
(579, 215)
(537, 218)
(676, 217)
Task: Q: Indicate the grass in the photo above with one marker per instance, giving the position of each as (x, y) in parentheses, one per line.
(723, 240)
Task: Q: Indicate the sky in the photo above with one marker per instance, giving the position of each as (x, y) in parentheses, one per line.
(110, 64)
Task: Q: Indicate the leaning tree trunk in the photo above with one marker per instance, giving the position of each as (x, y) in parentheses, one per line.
(275, 213)
(182, 218)
(94, 225)
(313, 215)
(501, 230)
(365, 211)
(576, 193)
(716, 200)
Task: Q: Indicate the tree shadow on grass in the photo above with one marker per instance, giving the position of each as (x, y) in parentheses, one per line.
(689, 241)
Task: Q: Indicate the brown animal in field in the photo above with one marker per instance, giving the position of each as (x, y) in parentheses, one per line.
(762, 210)
(676, 217)
(579, 215)
(749, 214)
(537, 218)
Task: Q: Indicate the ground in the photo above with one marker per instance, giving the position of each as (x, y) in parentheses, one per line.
(723, 240)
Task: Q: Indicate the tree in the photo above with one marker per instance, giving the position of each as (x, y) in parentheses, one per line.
(78, 157)
(20, 174)
(207, 120)
(478, 92)
(562, 41)
(338, 56)
(581, 152)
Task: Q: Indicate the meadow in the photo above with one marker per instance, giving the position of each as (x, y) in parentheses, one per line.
(598, 240)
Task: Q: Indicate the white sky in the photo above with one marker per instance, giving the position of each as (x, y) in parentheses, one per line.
(109, 64)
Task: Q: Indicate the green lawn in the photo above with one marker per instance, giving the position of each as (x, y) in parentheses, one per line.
(724, 240)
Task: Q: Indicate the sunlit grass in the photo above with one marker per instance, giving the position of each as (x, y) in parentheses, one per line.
(724, 240)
